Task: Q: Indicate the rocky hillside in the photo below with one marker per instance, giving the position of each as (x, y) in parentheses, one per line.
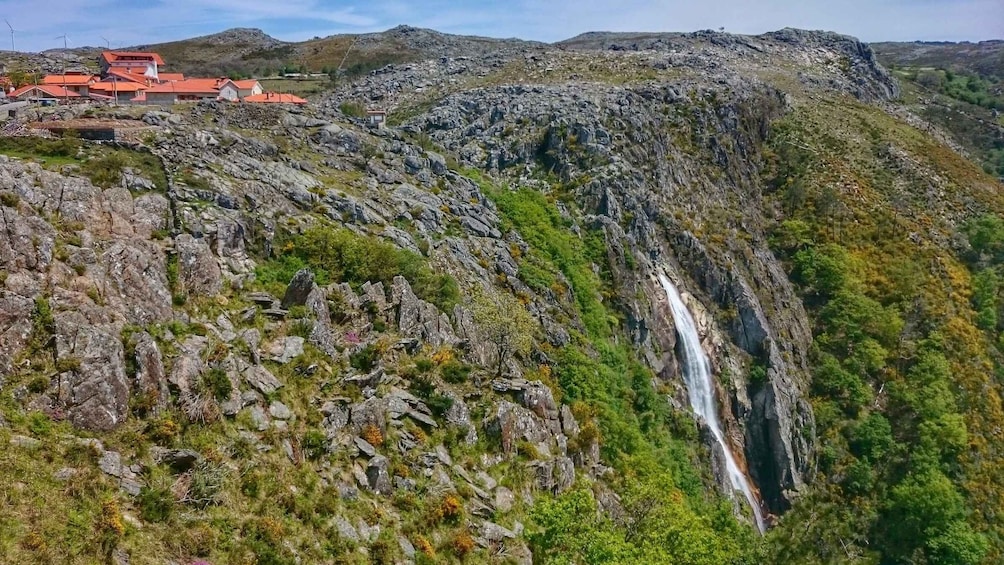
(252, 52)
(273, 335)
(985, 57)
(958, 88)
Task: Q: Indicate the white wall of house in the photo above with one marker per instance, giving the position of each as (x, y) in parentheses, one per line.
(256, 89)
(230, 92)
(161, 97)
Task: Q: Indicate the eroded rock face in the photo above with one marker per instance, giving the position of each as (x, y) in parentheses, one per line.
(200, 273)
(511, 424)
(642, 199)
(150, 380)
(95, 394)
(298, 289)
(15, 327)
(418, 318)
(135, 273)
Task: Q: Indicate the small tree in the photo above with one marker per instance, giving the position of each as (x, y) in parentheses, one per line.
(504, 322)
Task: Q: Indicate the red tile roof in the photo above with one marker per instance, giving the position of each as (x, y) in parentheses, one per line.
(119, 86)
(131, 56)
(245, 84)
(50, 90)
(74, 80)
(275, 97)
(188, 86)
(126, 75)
(171, 76)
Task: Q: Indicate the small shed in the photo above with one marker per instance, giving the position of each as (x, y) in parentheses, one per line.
(376, 118)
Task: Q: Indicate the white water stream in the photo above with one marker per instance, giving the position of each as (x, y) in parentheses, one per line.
(700, 387)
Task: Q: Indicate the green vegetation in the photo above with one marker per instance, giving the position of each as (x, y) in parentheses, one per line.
(901, 390)
(61, 151)
(612, 393)
(341, 255)
(961, 103)
(505, 323)
(101, 164)
(353, 109)
(306, 87)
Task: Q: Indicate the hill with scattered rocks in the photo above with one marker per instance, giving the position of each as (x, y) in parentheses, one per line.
(279, 335)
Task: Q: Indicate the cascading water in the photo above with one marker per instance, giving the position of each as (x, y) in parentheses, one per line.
(697, 375)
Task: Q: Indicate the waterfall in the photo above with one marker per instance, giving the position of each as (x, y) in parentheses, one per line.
(700, 387)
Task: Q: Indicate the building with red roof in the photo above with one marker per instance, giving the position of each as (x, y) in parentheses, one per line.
(188, 90)
(117, 90)
(144, 63)
(234, 90)
(274, 98)
(76, 82)
(42, 92)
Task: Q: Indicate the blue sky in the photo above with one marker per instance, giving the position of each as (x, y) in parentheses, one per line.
(130, 22)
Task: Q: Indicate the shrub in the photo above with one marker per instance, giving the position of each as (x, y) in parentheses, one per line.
(454, 372)
(315, 444)
(106, 171)
(424, 547)
(365, 359)
(440, 404)
(462, 544)
(372, 434)
(353, 109)
(155, 504)
(163, 430)
(451, 507)
(338, 254)
(39, 424)
(9, 199)
(216, 382)
(38, 384)
(110, 528)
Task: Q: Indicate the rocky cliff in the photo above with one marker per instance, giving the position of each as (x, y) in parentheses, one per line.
(396, 342)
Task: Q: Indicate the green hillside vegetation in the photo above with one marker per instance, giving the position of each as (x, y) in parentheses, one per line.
(906, 365)
(670, 517)
(963, 104)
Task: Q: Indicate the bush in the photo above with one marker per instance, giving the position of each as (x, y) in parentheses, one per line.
(155, 504)
(372, 434)
(315, 444)
(455, 372)
(38, 384)
(216, 382)
(106, 171)
(353, 109)
(439, 404)
(338, 254)
(462, 544)
(365, 359)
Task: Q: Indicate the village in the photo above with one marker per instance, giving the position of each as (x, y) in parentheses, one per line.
(132, 77)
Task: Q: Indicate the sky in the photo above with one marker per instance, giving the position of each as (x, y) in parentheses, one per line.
(40, 24)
